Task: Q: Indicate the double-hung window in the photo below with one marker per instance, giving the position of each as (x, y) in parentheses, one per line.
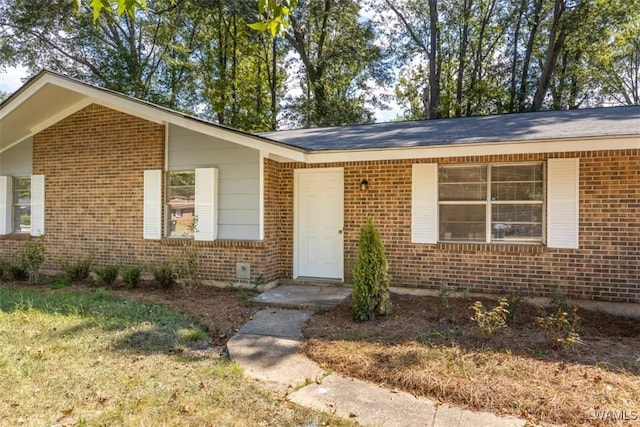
(491, 202)
(22, 204)
(181, 196)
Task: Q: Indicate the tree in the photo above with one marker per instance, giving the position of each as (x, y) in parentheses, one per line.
(338, 59)
(370, 297)
(194, 56)
(417, 32)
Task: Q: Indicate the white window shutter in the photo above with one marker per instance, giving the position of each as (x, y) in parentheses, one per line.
(37, 205)
(6, 205)
(206, 205)
(152, 205)
(563, 203)
(424, 203)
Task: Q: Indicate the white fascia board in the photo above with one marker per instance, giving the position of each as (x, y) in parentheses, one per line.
(479, 149)
(27, 93)
(60, 116)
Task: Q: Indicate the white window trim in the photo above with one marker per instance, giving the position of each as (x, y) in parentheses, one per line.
(6, 205)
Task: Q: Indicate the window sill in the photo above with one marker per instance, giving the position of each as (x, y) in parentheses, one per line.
(16, 236)
(528, 247)
(173, 241)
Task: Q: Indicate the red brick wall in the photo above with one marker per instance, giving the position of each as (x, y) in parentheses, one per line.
(607, 265)
(93, 162)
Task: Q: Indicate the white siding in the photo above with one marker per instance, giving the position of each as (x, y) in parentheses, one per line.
(152, 205)
(37, 205)
(238, 178)
(424, 203)
(17, 160)
(563, 203)
(206, 204)
(6, 205)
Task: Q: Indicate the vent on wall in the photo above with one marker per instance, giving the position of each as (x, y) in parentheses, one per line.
(243, 271)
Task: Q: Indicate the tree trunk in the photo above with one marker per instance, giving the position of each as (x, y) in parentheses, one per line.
(528, 54)
(557, 37)
(433, 112)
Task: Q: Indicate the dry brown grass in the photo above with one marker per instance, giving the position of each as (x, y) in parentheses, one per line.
(432, 350)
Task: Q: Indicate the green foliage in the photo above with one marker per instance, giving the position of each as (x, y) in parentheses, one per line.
(275, 15)
(31, 258)
(107, 274)
(79, 270)
(561, 324)
(163, 273)
(131, 275)
(491, 321)
(370, 297)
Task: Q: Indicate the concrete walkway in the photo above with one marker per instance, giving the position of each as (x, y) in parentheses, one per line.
(268, 348)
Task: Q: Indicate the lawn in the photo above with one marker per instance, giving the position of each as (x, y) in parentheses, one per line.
(87, 357)
(429, 347)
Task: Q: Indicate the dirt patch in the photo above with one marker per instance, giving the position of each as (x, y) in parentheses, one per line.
(430, 347)
(222, 311)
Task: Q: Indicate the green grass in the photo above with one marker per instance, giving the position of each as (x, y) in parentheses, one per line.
(92, 359)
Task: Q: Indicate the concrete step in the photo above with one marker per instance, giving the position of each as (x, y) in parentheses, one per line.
(314, 298)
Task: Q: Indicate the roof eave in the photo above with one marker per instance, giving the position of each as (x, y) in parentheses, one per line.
(613, 142)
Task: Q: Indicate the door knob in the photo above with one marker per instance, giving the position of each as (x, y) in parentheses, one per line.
(339, 231)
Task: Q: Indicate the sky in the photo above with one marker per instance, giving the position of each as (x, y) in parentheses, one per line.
(11, 78)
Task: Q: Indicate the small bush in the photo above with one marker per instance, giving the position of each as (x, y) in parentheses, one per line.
(107, 274)
(516, 303)
(561, 324)
(17, 272)
(164, 273)
(79, 270)
(31, 258)
(492, 321)
(131, 275)
(370, 296)
(186, 267)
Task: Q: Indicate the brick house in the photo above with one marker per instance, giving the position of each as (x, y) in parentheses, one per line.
(535, 202)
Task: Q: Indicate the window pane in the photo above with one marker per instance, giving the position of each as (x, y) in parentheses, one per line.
(516, 222)
(463, 223)
(22, 190)
(22, 218)
(462, 183)
(182, 195)
(22, 204)
(517, 182)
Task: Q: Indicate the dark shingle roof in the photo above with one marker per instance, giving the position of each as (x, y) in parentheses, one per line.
(547, 125)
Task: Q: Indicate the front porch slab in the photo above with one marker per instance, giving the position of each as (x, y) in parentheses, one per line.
(317, 298)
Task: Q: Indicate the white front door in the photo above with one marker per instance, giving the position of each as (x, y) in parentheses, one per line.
(318, 217)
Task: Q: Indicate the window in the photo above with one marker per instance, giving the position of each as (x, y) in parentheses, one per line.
(491, 203)
(22, 204)
(181, 196)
